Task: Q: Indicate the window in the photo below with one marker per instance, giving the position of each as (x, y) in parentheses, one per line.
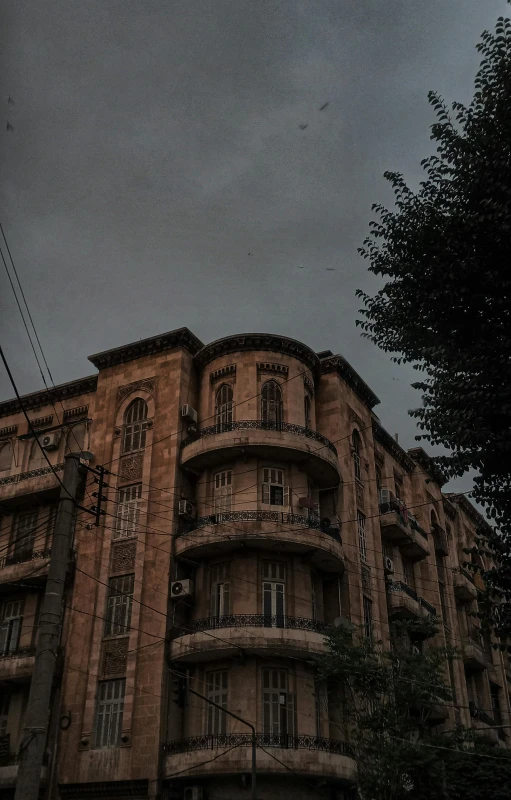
(378, 482)
(25, 526)
(135, 426)
(220, 591)
(355, 449)
(222, 491)
(368, 618)
(5, 455)
(10, 627)
(361, 527)
(5, 701)
(307, 410)
(398, 486)
(408, 573)
(271, 403)
(274, 593)
(278, 705)
(223, 407)
(75, 439)
(120, 600)
(274, 492)
(128, 510)
(36, 458)
(216, 683)
(110, 707)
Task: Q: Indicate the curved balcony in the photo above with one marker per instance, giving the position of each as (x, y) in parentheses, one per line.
(217, 534)
(18, 665)
(302, 755)
(280, 441)
(218, 637)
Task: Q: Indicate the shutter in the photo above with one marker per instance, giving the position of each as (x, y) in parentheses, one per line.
(286, 496)
(290, 715)
(15, 634)
(224, 610)
(266, 493)
(4, 634)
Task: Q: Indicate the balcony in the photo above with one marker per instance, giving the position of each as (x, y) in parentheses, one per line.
(9, 765)
(475, 655)
(218, 637)
(275, 441)
(483, 726)
(39, 480)
(400, 528)
(217, 534)
(26, 567)
(465, 589)
(404, 602)
(308, 756)
(18, 665)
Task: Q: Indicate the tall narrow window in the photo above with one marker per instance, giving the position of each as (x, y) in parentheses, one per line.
(223, 407)
(222, 491)
(24, 534)
(220, 592)
(278, 705)
(307, 410)
(355, 449)
(368, 618)
(378, 482)
(10, 628)
(5, 455)
(409, 573)
(120, 600)
(128, 511)
(109, 711)
(135, 426)
(274, 594)
(216, 683)
(362, 543)
(5, 702)
(271, 403)
(274, 493)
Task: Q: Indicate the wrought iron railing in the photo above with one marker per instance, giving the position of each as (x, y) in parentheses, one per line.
(32, 473)
(19, 652)
(478, 713)
(262, 425)
(263, 516)
(401, 586)
(287, 741)
(429, 608)
(251, 621)
(464, 572)
(31, 555)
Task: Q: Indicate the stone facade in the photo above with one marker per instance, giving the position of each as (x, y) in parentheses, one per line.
(285, 508)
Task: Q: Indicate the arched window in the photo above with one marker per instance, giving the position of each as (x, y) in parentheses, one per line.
(223, 406)
(5, 455)
(37, 458)
(135, 426)
(271, 402)
(356, 448)
(307, 410)
(75, 439)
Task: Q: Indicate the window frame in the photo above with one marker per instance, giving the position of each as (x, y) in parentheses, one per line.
(18, 549)
(224, 405)
(356, 443)
(119, 605)
(135, 426)
(217, 690)
(272, 403)
(108, 710)
(128, 511)
(362, 536)
(277, 716)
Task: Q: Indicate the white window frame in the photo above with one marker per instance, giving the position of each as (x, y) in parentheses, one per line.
(222, 491)
(119, 605)
(109, 713)
(271, 402)
(220, 591)
(224, 398)
(274, 479)
(274, 594)
(10, 627)
(367, 605)
(362, 537)
(217, 690)
(25, 531)
(277, 702)
(135, 426)
(128, 510)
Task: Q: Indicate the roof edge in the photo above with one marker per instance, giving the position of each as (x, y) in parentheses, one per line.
(344, 369)
(48, 396)
(391, 446)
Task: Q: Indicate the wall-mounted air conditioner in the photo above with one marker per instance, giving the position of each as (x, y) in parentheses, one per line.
(186, 509)
(50, 441)
(188, 413)
(184, 588)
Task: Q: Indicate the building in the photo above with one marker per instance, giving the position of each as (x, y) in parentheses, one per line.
(254, 499)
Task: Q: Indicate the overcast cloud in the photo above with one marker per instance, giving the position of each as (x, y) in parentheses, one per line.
(157, 144)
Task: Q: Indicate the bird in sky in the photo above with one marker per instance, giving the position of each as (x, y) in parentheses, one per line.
(322, 108)
(9, 126)
(330, 269)
(303, 126)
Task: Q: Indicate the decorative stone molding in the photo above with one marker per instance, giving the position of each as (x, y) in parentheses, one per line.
(279, 369)
(354, 417)
(391, 446)
(33, 473)
(10, 430)
(181, 337)
(123, 556)
(258, 341)
(345, 371)
(146, 384)
(40, 421)
(379, 457)
(115, 656)
(49, 396)
(131, 468)
(223, 372)
(105, 790)
(419, 455)
(79, 411)
(449, 509)
(359, 494)
(308, 384)
(472, 513)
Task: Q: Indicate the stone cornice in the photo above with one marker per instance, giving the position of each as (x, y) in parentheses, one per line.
(347, 373)
(181, 337)
(420, 457)
(449, 509)
(259, 341)
(471, 512)
(391, 446)
(49, 396)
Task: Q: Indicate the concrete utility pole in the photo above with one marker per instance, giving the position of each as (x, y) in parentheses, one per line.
(35, 731)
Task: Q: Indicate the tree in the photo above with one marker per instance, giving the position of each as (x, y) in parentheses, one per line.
(445, 251)
(389, 699)
(481, 773)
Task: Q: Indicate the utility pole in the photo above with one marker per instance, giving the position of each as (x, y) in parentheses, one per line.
(33, 740)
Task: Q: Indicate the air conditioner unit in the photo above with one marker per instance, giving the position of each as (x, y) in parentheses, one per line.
(193, 793)
(188, 413)
(50, 441)
(388, 565)
(186, 509)
(184, 588)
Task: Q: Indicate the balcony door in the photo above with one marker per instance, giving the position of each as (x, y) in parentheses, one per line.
(10, 628)
(274, 594)
(278, 705)
(222, 491)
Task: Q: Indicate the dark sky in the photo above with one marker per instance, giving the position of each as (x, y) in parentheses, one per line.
(156, 144)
